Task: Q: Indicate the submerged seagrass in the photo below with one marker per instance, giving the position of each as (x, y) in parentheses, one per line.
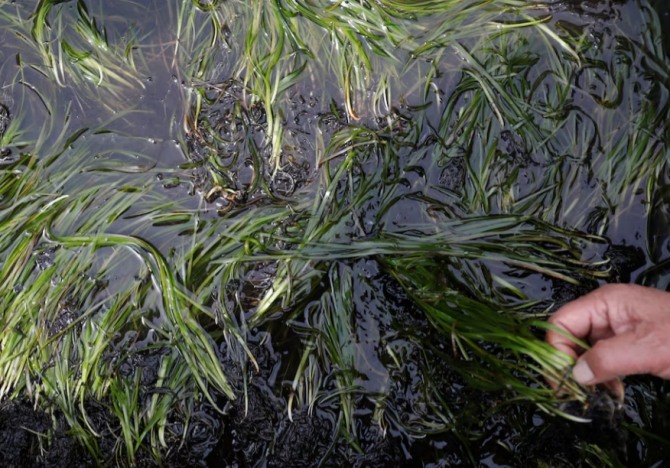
(370, 190)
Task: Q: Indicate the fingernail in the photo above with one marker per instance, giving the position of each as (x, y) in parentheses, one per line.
(582, 373)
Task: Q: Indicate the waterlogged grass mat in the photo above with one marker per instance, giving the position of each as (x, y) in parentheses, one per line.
(302, 233)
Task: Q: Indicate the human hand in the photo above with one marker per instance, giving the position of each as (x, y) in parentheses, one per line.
(628, 327)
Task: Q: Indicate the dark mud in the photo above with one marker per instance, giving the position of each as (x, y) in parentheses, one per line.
(227, 145)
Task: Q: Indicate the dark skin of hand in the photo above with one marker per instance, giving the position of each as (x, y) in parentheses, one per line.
(628, 328)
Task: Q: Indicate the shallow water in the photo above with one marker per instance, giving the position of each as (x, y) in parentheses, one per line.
(144, 158)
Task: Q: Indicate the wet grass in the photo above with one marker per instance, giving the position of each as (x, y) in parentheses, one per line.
(476, 153)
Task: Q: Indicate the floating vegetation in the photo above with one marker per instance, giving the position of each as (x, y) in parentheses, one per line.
(315, 232)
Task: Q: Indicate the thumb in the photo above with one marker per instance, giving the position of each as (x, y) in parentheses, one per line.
(615, 357)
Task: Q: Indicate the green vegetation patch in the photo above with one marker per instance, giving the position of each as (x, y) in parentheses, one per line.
(352, 216)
